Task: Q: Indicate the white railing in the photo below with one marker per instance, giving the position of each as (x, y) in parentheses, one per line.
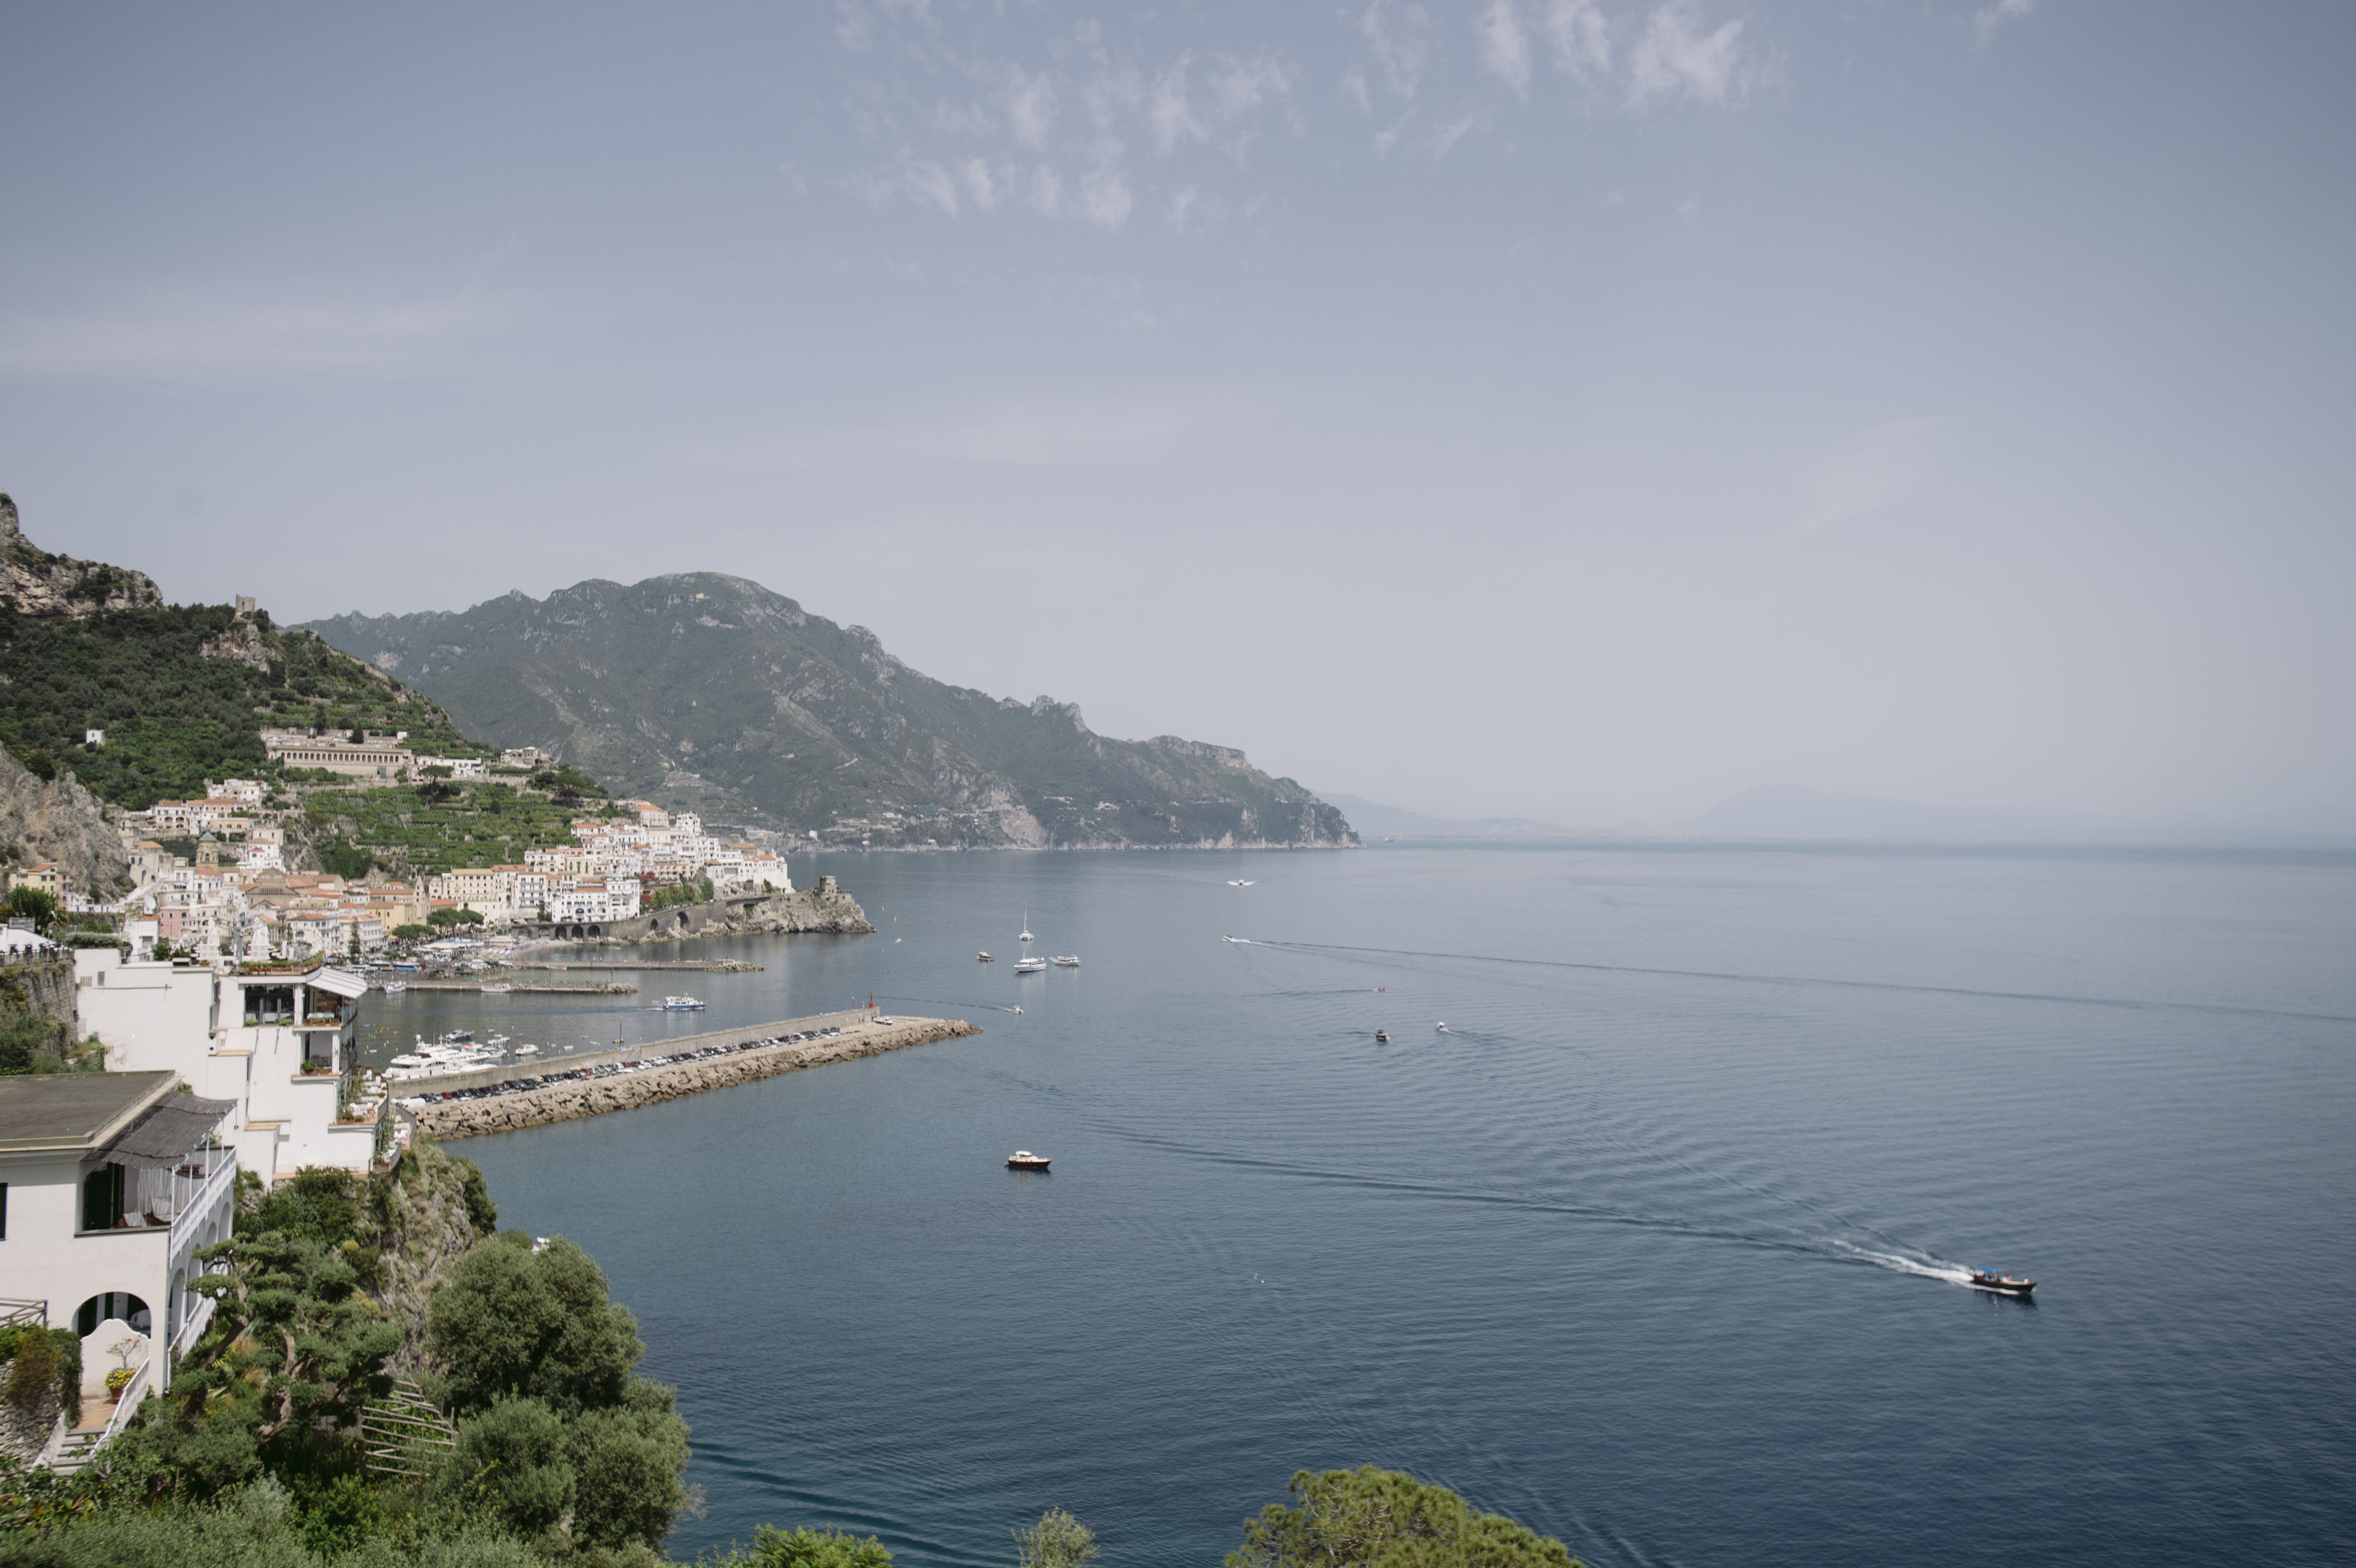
(187, 1216)
(198, 1312)
(133, 1392)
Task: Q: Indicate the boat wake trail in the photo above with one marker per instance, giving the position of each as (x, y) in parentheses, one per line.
(1929, 1268)
(1802, 1241)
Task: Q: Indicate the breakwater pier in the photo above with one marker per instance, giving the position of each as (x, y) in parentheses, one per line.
(591, 1083)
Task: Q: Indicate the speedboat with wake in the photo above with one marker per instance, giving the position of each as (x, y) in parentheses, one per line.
(2001, 1285)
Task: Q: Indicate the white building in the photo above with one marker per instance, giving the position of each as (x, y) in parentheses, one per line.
(109, 1184)
(459, 767)
(274, 1040)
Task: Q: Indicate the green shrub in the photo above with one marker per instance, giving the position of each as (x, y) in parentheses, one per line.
(1388, 1519)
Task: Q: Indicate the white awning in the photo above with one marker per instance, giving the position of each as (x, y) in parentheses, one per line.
(339, 982)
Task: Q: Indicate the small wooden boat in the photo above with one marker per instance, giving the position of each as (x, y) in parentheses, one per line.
(1024, 1160)
(2002, 1285)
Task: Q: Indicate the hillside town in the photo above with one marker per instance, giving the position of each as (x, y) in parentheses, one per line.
(237, 896)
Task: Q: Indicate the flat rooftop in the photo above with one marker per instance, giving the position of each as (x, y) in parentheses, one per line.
(72, 1109)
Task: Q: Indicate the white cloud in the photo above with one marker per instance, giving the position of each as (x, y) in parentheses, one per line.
(1171, 115)
(1105, 198)
(1354, 87)
(1047, 192)
(1582, 38)
(1446, 137)
(1504, 47)
(1030, 107)
(1182, 207)
(979, 184)
(1675, 58)
(1689, 209)
(1398, 38)
(1995, 15)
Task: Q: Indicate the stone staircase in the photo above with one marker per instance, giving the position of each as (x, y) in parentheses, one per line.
(79, 1449)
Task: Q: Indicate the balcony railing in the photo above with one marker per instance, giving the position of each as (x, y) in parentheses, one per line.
(202, 1180)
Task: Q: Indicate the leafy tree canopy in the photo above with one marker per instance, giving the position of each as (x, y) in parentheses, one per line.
(1387, 1518)
(804, 1548)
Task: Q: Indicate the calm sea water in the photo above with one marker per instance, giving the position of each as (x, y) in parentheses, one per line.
(1654, 1249)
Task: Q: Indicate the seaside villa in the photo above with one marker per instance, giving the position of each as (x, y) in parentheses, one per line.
(109, 1184)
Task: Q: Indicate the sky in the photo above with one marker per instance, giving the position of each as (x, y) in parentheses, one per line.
(1582, 410)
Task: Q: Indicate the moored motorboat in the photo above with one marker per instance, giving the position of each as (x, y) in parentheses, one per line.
(2002, 1285)
(1068, 960)
(1382, 1036)
(394, 987)
(1030, 965)
(1024, 1160)
(985, 958)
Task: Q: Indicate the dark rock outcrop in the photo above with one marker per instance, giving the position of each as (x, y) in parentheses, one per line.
(34, 582)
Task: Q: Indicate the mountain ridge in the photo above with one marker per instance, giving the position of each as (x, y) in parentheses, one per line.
(708, 691)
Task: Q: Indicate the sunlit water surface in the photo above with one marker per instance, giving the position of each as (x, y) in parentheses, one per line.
(1656, 1249)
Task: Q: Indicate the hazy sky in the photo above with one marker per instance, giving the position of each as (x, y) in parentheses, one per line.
(1575, 410)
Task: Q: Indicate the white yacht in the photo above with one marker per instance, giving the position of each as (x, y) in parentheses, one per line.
(681, 1005)
(1068, 960)
(1030, 966)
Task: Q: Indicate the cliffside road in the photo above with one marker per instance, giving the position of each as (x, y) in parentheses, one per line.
(651, 1085)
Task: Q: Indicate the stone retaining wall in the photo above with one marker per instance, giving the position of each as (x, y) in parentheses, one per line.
(651, 1086)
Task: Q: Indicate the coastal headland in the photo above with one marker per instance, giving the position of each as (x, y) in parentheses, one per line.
(824, 907)
(572, 1099)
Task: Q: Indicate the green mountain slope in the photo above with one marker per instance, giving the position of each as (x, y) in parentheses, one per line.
(183, 691)
(708, 691)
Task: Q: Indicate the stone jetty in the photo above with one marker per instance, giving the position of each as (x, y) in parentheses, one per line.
(861, 1036)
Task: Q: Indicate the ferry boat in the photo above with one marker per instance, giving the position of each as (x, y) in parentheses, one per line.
(1030, 965)
(2001, 1285)
(1068, 960)
(1024, 1160)
(681, 1005)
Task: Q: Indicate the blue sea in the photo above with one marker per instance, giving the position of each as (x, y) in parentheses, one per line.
(1657, 1249)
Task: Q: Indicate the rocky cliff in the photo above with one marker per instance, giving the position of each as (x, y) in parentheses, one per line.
(58, 819)
(34, 582)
